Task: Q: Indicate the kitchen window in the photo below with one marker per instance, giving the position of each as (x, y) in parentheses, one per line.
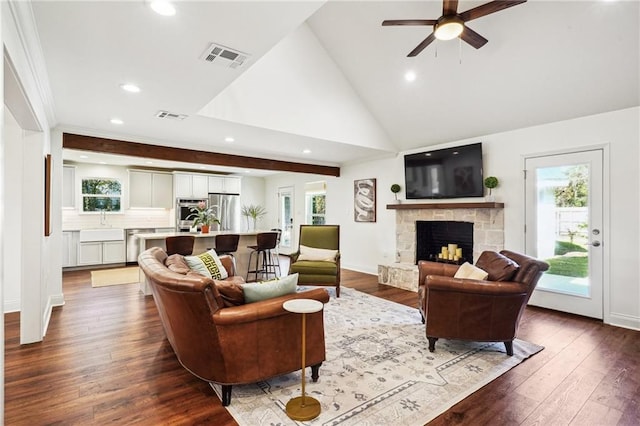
(101, 195)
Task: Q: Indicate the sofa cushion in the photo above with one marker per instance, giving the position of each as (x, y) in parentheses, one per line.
(176, 263)
(310, 267)
(467, 270)
(254, 292)
(207, 264)
(231, 291)
(317, 254)
(499, 267)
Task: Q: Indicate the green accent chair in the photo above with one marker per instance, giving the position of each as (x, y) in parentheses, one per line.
(318, 272)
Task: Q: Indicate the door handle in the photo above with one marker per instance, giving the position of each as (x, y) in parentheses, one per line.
(596, 243)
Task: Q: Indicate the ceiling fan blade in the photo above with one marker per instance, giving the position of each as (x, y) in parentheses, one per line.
(389, 22)
(419, 48)
(449, 7)
(486, 9)
(473, 38)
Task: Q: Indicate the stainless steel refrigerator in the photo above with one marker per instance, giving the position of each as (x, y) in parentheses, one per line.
(226, 207)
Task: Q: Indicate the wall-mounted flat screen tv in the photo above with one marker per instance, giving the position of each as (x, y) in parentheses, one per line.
(444, 173)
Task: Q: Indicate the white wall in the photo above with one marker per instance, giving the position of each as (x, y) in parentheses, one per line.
(364, 246)
(12, 197)
(40, 287)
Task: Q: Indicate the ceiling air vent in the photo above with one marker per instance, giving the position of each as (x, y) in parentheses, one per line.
(225, 56)
(170, 115)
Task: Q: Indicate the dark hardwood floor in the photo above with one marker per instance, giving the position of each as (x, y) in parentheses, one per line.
(105, 360)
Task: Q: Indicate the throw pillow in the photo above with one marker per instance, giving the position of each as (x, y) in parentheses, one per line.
(176, 263)
(317, 254)
(467, 270)
(254, 292)
(207, 264)
(499, 267)
(231, 292)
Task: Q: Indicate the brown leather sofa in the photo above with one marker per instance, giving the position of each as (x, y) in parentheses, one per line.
(477, 310)
(222, 343)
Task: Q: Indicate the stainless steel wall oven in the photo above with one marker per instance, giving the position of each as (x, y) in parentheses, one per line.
(183, 211)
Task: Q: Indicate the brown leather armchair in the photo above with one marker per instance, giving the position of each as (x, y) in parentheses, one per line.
(478, 310)
(231, 344)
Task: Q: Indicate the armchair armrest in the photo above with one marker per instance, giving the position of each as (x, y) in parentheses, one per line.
(481, 287)
(426, 267)
(269, 308)
(294, 256)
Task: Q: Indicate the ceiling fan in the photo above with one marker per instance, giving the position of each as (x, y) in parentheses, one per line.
(453, 24)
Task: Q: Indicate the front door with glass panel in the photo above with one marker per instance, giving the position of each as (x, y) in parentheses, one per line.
(285, 218)
(564, 227)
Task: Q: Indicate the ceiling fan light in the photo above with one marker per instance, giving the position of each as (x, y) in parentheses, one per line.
(448, 30)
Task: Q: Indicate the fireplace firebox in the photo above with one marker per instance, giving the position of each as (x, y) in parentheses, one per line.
(431, 236)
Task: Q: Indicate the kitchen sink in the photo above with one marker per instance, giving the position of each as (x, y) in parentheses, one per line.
(101, 234)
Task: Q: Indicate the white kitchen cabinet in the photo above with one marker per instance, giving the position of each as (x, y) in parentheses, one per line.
(113, 252)
(224, 184)
(68, 186)
(69, 248)
(150, 189)
(140, 188)
(101, 252)
(90, 253)
(191, 185)
(162, 191)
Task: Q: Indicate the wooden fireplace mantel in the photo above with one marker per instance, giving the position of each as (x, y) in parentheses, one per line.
(444, 206)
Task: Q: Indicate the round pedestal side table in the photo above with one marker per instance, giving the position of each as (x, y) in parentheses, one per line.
(303, 407)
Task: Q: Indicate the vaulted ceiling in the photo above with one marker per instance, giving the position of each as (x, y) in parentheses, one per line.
(327, 77)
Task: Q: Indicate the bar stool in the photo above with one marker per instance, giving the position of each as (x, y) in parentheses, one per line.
(226, 244)
(275, 258)
(265, 242)
(181, 244)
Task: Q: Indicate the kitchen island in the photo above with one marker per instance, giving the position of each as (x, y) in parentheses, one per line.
(201, 244)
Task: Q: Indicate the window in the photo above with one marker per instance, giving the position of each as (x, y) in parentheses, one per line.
(101, 194)
(315, 203)
(317, 208)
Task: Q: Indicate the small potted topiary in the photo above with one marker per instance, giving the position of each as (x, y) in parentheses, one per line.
(490, 182)
(395, 188)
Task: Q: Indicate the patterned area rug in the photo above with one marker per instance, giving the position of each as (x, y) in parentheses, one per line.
(107, 277)
(379, 370)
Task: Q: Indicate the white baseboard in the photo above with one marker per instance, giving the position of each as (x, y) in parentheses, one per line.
(363, 269)
(11, 306)
(56, 300)
(625, 321)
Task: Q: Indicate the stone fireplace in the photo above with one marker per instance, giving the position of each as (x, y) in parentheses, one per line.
(432, 235)
(488, 234)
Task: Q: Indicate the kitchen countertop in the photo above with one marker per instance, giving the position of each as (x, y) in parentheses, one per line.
(212, 234)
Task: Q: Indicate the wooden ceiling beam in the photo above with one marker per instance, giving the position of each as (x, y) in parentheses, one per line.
(134, 149)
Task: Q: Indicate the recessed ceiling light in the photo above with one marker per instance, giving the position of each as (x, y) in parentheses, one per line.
(229, 139)
(116, 121)
(102, 162)
(306, 151)
(84, 156)
(248, 171)
(132, 88)
(202, 167)
(149, 162)
(163, 7)
(410, 76)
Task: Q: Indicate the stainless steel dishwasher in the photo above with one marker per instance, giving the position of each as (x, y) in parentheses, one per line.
(133, 245)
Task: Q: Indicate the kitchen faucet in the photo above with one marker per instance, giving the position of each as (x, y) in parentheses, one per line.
(103, 217)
